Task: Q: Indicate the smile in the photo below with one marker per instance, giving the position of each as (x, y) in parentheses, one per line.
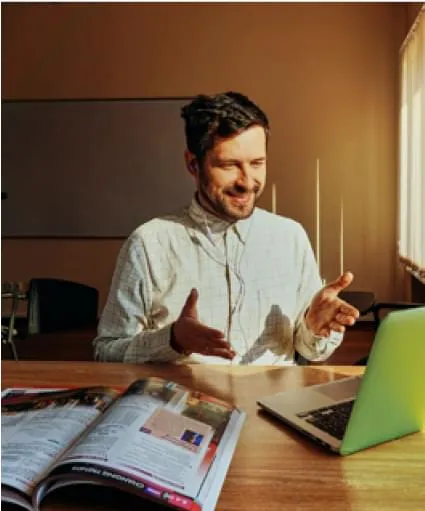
(241, 200)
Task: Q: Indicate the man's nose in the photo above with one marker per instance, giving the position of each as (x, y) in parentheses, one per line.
(245, 178)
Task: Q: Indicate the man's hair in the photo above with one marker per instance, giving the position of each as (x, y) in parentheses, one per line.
(222, 115)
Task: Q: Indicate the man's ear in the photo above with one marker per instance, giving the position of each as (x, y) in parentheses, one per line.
(191, 163)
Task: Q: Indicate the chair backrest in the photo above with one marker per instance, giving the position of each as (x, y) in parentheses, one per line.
(362, 300)
(55, 304)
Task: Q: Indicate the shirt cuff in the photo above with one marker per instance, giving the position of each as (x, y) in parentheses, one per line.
(315, 347)
(152, 346)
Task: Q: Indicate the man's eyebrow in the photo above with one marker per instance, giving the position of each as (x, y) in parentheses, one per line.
(220, 159)
(223, 160)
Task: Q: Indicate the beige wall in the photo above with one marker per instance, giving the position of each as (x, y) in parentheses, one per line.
(326, 75)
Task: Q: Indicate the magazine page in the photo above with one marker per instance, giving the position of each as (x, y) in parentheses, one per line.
(14, 497)
(159, 440)
(38, 425)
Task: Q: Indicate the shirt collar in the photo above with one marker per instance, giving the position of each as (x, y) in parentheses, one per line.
(202, 217)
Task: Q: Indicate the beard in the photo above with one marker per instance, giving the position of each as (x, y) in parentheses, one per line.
(232, 203)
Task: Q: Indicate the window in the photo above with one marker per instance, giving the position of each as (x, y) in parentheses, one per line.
(412, 150)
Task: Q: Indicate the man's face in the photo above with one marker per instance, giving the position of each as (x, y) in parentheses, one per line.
(233, 175)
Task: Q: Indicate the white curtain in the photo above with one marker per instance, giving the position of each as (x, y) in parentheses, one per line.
(412, 149)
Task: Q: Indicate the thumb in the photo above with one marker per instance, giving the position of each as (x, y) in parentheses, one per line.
(189, 307)
(343, 281)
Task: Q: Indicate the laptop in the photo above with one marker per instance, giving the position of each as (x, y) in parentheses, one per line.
(354, 413)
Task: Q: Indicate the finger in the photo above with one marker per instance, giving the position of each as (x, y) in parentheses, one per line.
(218, 344)
(219, 352)
(193, 337)
(189, 308)
(343, 281)
(349, 310)
(211, 334)
(337, 327)
(228, 354)
(215, 336)
(344, 319)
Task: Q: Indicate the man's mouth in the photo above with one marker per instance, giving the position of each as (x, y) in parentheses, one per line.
(240, 199)
(241, 196)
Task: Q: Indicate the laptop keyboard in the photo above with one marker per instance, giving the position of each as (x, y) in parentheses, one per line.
(332, 419)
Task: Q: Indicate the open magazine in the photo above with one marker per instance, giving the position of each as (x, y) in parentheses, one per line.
(158, 440)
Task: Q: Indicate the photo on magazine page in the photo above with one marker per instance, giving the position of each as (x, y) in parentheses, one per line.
(156, 388)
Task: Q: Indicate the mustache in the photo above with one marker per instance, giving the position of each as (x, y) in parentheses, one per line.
(239, 189)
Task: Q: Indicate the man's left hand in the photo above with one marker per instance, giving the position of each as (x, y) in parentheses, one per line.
(329, 312)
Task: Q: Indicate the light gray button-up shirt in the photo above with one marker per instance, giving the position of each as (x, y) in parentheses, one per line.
(255, 280)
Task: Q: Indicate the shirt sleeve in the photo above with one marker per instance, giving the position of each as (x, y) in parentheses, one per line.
(310, 346)
(125, 332)
(313, 347)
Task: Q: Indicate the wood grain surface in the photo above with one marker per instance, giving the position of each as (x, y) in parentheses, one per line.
(274, 467)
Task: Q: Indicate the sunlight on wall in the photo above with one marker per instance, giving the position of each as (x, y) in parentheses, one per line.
(318, 221)
(274, 198)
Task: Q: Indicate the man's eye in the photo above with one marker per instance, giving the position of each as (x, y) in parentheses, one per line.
(227, 166)
(258, 164)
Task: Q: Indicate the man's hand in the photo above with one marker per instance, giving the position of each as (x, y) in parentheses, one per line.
(191, 336)
(328, 312)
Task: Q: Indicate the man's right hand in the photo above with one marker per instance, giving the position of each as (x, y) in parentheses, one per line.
(191, 336)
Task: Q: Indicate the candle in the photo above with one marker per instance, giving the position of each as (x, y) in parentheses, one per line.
(274, 198)
(318, 215)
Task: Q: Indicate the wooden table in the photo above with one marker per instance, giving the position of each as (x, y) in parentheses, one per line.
(274, 468)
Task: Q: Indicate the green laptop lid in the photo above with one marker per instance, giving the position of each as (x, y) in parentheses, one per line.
(390, 400)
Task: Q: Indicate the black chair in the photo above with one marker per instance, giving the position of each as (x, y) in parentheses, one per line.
(55, 305)
(378, 307)
(376, 310)
(365, 302)
(13, 292)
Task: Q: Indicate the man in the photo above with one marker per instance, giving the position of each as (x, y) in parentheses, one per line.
(222, 281)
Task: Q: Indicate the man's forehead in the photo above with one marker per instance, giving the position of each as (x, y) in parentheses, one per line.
(246, 144)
